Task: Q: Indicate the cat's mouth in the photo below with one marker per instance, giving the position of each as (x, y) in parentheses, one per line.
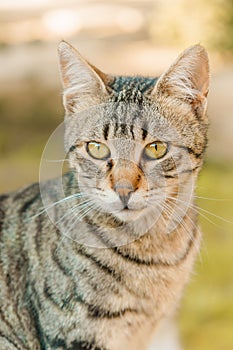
(129, 214)
(126, 208)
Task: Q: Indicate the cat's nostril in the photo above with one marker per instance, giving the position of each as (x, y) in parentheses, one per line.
(125, 198)
(124, 191)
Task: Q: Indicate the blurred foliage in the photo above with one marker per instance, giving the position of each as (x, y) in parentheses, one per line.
(224, 17)
(29, 113)
(28, 116)
(183, 22)
(206, 318)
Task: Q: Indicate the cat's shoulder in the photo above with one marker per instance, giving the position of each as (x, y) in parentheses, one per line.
(27, 195)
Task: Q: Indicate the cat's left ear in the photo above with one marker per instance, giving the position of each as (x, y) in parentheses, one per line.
(187, 79)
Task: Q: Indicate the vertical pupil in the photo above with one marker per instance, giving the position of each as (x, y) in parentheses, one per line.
(98, 146)
(156, 146)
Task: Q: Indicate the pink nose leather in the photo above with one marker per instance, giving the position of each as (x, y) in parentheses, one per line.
(124, 189)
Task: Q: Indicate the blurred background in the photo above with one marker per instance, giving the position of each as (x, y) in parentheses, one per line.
(128, 37)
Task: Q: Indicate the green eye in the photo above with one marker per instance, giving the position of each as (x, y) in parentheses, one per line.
(98, 150)
(155, 150)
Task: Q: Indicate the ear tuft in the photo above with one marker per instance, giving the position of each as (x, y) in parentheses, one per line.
(188, 78)
(83, 83)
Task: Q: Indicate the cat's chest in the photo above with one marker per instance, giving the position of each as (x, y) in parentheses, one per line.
(94, 291)
(101, 308)
(96, 285)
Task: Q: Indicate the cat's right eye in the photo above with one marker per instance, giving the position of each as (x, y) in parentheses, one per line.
(98, 150)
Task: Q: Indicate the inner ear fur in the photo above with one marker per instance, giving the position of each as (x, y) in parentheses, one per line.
(84, 85)
(188, 78)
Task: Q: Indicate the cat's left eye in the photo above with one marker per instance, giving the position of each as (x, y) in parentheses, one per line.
(155, 150)
(98, 150)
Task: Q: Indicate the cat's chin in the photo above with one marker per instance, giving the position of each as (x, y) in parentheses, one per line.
(129, 214)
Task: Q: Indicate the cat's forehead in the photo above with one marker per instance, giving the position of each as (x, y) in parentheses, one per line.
(119, 120)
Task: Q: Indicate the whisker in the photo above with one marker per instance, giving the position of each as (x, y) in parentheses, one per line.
(186, 227)
(79, 217)
(56, 160)
(80, 204)
(206, 198)
(215, 215)
(198, 209)
(166, 209)
(213, 199)
(60, 243)
(73, 196)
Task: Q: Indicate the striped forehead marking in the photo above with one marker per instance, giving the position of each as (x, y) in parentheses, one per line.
(128, 89)
(131, 89)
(122, 130)
(106, 131)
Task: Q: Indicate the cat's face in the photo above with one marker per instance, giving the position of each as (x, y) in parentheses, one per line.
(133, 155)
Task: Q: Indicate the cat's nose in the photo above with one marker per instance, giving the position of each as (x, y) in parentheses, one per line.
(124, 189)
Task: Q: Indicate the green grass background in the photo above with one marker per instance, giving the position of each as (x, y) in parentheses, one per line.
(206, 317)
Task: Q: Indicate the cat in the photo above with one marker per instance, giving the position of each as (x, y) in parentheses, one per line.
(98, 258)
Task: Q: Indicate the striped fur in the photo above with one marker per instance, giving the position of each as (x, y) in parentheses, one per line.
(60, 293)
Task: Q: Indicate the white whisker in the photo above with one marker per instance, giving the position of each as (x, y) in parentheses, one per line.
(78, 218)
(72, 209)
(198, 209)
(185, 225)
(73, 196)
(213, 199)
(56, 160)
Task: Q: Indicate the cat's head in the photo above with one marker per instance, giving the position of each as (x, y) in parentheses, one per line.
(135, 142)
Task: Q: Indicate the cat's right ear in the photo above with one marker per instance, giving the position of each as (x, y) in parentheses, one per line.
(84, 85)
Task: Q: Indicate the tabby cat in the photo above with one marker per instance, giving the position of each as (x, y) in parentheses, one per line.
(101, 266)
